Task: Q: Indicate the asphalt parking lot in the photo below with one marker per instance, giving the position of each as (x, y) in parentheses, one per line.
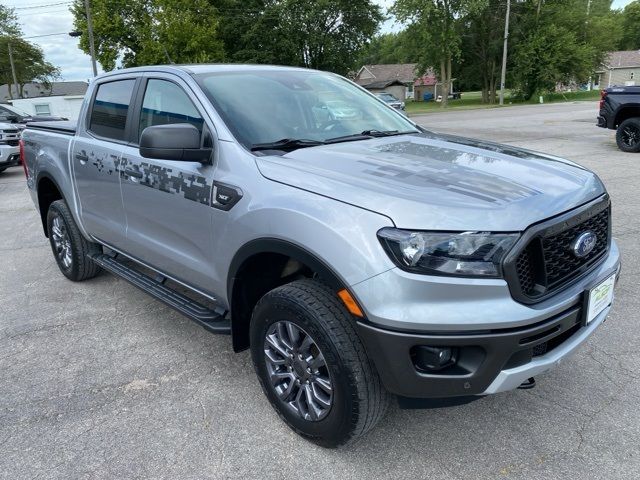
(98, 380)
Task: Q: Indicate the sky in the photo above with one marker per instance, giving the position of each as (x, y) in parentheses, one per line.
(46, 17)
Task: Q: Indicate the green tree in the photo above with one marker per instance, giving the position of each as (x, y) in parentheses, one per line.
(630, 27)
(482, 32)
(436, 24)
(390, 48)
(323, 34)
(559, 41)
(149, 32)
(28, 59)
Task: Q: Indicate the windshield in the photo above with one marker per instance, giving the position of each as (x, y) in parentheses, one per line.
(269, 106)
(13, 109)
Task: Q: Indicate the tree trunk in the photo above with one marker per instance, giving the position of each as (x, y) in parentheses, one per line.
(492, 82)
(486, 86)
(445, 68)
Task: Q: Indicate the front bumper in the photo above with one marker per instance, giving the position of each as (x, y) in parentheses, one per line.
(495, 353)
(9, 156)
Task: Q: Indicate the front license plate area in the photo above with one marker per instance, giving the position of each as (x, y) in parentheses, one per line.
(599, 298)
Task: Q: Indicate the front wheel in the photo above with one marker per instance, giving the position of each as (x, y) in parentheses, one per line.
(312, 365)
(628, 135)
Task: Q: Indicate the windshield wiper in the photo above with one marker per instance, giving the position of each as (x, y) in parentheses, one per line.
(287, 144)
(367, 134)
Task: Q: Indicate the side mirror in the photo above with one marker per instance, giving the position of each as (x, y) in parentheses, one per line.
(174, 141)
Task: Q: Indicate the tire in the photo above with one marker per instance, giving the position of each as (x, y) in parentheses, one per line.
(628, 135)
(70, 248)
(357, 400)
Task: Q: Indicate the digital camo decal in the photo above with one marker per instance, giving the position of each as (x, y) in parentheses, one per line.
(426, 166)
(191, 187)
(107, 163)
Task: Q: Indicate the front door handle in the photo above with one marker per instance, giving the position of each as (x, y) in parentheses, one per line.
(133, 173)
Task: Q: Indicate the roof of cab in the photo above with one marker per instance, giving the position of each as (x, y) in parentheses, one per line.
(201, 68)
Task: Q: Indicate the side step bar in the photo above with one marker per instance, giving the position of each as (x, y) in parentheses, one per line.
(209, 319)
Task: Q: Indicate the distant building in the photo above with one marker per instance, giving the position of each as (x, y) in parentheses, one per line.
(401, 80)
(394, 78)
(62, 99)
(620, 68)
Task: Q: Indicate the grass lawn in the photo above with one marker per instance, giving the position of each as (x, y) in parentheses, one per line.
(471, 100)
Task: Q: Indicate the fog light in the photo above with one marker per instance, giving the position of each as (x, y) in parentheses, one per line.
(434, 358)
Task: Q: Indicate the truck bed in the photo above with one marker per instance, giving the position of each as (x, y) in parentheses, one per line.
(66, 127)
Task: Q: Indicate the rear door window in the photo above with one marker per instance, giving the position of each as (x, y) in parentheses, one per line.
(110, 109)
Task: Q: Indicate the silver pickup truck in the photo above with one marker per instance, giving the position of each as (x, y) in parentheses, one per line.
(357, 255)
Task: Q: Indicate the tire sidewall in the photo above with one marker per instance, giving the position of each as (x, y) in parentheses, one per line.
(338, 423)
(55, 211)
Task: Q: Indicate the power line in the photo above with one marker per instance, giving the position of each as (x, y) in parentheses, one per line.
(46, 5)
(46, 35)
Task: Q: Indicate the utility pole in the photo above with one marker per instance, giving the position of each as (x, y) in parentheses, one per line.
(503, 74)
(13, 70)
(92, 50)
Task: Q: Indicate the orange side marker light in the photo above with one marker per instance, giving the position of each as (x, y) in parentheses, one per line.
(350, 303)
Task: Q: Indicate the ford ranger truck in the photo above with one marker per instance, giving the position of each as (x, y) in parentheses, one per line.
(357, 256)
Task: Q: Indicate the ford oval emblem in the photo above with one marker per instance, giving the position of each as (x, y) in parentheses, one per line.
(584, 244)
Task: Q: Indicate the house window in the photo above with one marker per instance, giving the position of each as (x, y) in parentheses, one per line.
(42, 109)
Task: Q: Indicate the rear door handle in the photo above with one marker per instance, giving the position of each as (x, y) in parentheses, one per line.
(133, 173)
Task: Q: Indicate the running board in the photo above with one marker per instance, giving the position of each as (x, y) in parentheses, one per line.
(211, 320)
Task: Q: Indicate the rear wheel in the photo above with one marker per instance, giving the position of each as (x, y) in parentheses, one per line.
(70, 248)
(628, 135)
(312, 365)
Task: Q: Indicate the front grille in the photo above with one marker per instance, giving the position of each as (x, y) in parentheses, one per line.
(560, 262)
(13, 143)
(547, 262)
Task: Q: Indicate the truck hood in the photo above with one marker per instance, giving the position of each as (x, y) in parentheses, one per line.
(439, 182)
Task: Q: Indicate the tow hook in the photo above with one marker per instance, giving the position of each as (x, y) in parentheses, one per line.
(526, 385)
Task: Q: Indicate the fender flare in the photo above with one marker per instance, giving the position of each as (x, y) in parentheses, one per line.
(239, 328)
(623, 109)
(43, 215)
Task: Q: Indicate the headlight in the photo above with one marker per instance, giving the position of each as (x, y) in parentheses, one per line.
(465, 254)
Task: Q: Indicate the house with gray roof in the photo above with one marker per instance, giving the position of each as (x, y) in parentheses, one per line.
(620, 68)
(61, 99)
(397, 78)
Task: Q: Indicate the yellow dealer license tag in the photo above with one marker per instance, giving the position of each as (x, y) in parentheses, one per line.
(600, 297)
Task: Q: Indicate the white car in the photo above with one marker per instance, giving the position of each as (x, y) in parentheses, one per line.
(9, 146)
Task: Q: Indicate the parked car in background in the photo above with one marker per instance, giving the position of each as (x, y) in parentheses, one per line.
(11, 114)
(391, 100)
(9, 146)
(620, 111)
(355, 257)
